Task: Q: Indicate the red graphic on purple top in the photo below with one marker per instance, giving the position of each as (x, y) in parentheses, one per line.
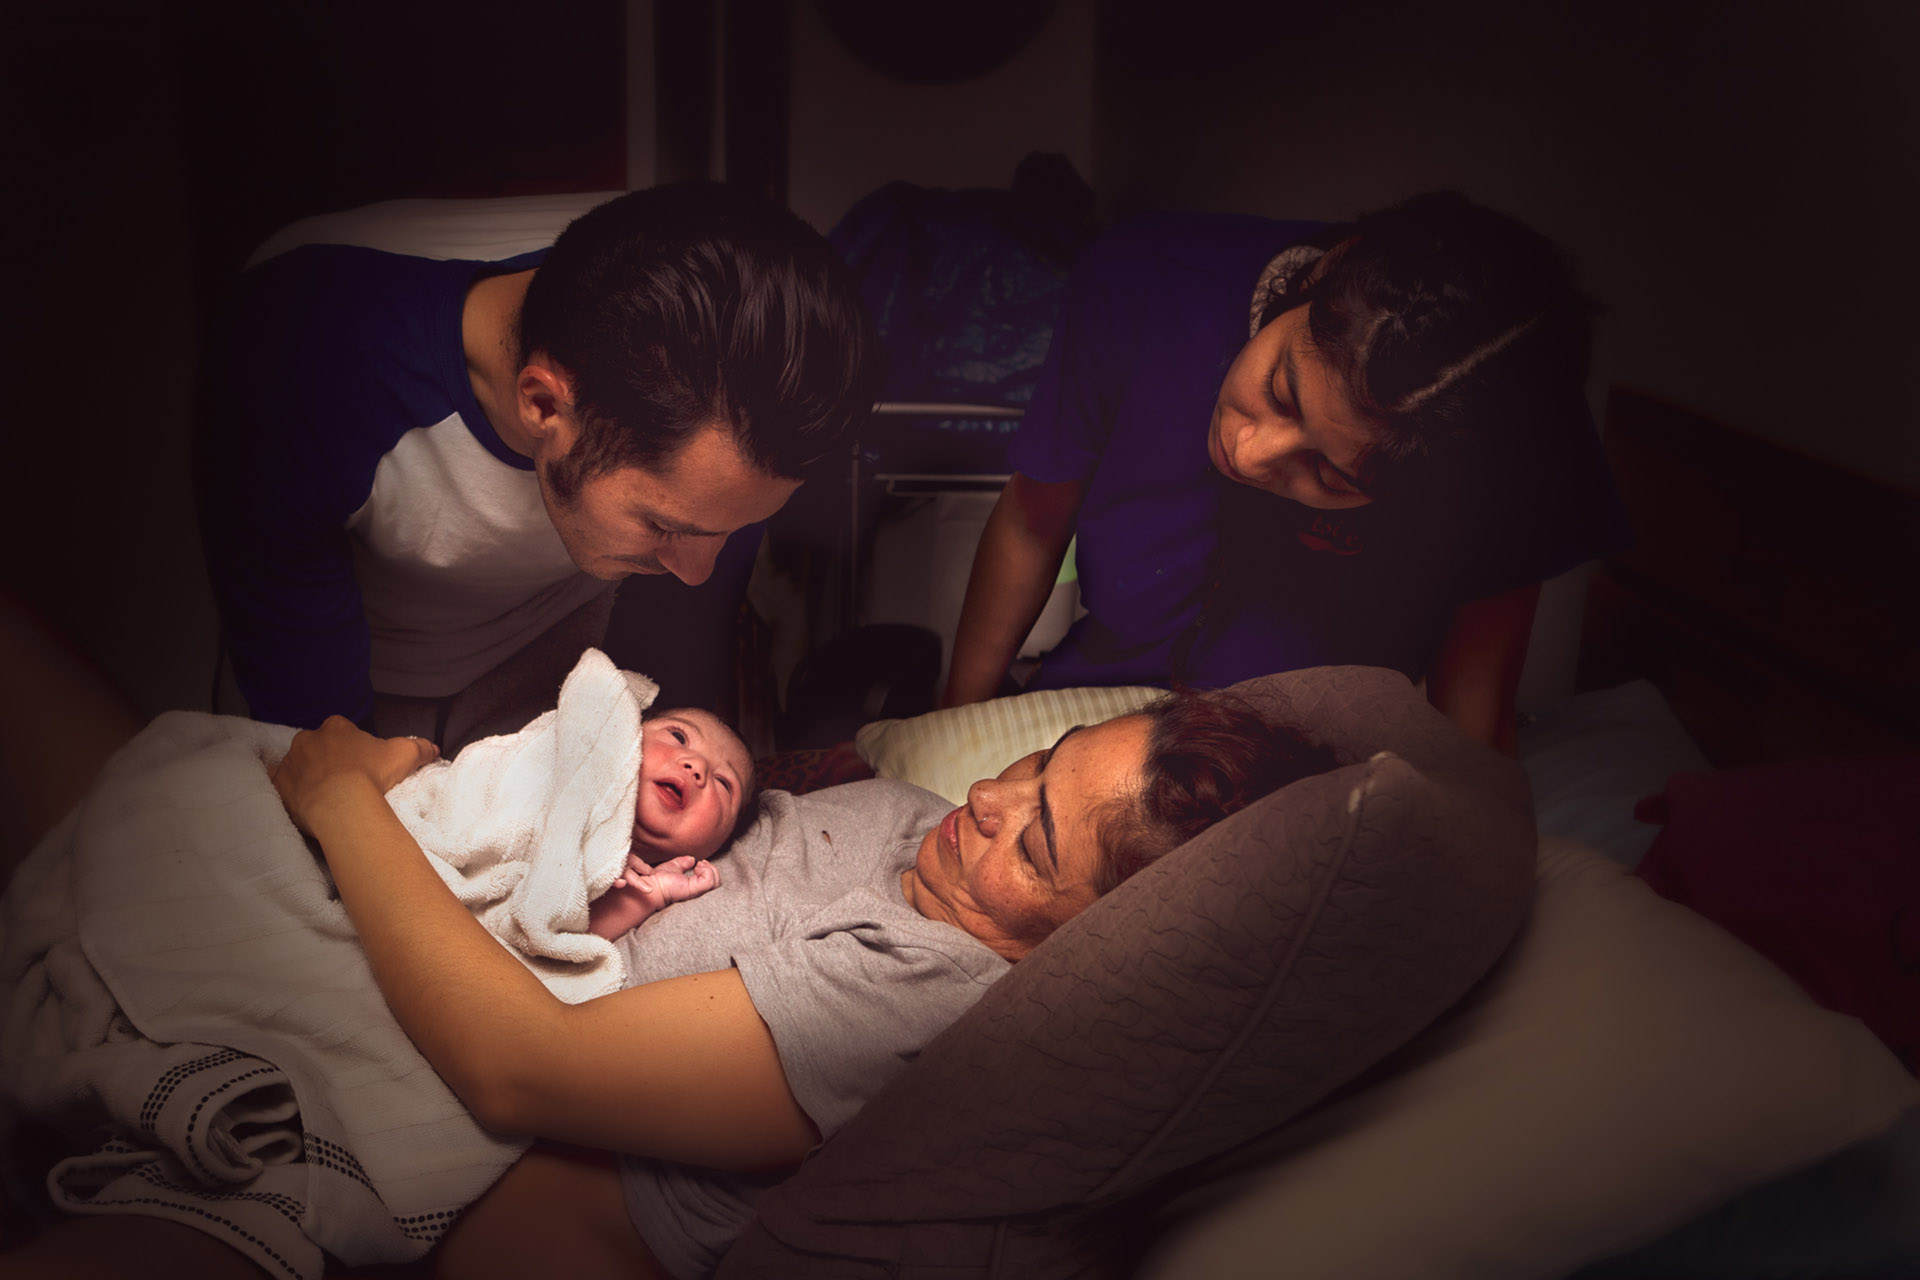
(1326, 534)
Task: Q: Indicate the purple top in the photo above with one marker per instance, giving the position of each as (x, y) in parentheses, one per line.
(1155, 313)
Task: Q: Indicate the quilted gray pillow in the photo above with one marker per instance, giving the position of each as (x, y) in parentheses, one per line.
(1212, 997)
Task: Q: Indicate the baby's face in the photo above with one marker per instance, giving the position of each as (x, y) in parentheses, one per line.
(694, 773)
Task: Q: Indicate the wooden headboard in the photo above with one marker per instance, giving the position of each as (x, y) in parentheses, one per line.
(1774, 598)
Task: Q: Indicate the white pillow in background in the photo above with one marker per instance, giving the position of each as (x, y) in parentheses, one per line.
(948, 751)
(1594, 757)
(1624, 1068)
(485, 230)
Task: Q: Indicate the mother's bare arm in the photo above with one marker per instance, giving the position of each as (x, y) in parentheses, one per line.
(523, 1061)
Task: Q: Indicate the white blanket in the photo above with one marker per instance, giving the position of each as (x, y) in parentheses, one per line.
(182, 979)
(528, 828)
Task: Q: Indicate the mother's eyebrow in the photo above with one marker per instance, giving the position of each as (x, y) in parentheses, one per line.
(1046, 809)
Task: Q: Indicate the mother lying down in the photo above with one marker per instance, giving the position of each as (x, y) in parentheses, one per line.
(851, 926)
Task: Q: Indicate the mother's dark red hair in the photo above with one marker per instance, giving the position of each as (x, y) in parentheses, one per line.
(1208, 755)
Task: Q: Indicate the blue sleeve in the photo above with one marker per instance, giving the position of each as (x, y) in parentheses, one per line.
(321, 365)
(1065, 428)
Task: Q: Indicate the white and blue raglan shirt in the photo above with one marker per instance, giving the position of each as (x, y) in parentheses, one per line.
(364, 526)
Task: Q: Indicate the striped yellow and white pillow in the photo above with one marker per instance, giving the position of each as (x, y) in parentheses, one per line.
(947, 751)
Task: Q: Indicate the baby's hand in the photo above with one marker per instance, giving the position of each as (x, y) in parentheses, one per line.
(678, 878)
(640, 890)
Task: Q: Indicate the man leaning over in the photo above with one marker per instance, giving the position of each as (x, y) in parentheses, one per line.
(419, 477)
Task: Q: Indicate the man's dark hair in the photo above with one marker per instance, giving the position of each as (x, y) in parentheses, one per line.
(1208, 755)
(1455, 329)
(677, 307)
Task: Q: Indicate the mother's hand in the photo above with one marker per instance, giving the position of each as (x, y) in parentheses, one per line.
(338, 762)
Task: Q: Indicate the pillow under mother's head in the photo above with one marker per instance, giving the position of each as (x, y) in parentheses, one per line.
(1217, 993)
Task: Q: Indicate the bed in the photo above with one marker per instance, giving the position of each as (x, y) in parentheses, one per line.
(1620, 1105)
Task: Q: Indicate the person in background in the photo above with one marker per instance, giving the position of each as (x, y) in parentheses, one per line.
(1286, 444)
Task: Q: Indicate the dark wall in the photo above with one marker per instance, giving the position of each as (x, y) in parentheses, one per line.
(292, 109)
(1737, 179)
(150, 148)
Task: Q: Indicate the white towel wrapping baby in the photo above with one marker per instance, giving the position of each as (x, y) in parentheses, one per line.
(528, 828)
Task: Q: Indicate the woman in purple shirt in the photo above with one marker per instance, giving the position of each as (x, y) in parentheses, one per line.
(1284, 445)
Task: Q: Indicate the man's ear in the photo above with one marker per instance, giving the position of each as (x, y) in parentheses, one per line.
(543, 397)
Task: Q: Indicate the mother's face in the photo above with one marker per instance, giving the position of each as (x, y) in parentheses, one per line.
(1020, 858)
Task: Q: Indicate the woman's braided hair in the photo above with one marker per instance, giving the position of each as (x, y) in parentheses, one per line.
(1456, 329)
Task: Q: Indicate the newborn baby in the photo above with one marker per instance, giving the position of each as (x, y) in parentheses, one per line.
(696, 776)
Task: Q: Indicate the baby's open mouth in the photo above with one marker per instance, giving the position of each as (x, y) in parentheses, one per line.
(674, 794)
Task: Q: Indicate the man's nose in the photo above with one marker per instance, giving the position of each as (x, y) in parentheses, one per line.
(691, 559)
